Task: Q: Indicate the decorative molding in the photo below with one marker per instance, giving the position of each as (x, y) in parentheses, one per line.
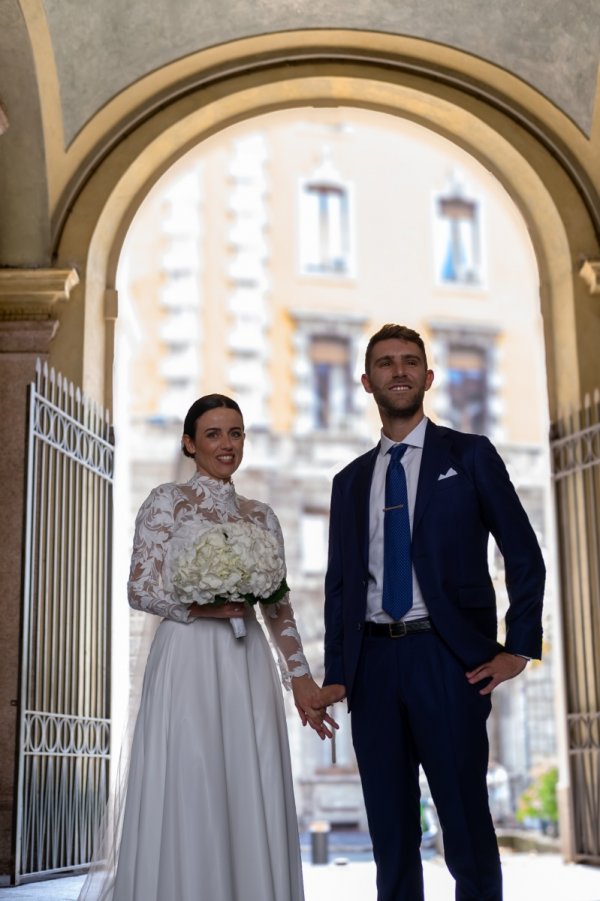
(26, 336)
(30, 294)
(111, 304)
(4, 123)
(589, 270)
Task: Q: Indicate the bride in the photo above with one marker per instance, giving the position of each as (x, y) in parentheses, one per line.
(209, 812)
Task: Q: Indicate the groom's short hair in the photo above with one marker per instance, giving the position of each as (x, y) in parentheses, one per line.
(391, 330)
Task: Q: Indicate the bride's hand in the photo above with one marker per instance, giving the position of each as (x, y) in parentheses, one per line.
(218, 611)
(306, 696)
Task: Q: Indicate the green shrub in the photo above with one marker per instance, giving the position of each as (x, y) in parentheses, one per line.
(538, 802)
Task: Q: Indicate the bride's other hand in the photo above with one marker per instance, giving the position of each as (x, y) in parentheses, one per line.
(306, 692)
(322, 723)
(217, 611)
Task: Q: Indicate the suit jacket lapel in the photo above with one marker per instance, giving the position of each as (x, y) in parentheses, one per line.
(435, 460)
(361, 491)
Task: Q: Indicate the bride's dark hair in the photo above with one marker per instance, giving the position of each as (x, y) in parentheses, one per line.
(201, 406)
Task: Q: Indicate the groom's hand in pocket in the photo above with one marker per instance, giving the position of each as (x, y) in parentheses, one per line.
(502, 667)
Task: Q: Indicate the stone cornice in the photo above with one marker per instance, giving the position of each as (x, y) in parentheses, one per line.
(30, 294)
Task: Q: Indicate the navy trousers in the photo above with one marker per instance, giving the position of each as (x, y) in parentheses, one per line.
(413, 705)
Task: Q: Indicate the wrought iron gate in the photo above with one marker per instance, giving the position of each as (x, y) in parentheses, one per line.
(576, 471)
(64, 710)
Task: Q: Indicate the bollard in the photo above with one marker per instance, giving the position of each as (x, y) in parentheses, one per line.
(319, 841)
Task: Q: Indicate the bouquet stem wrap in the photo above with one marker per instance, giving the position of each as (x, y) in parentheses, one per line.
(238, 625)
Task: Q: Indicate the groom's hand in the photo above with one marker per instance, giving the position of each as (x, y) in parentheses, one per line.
(307, 699)
(331, 694)
(318, 717)
(500, 668)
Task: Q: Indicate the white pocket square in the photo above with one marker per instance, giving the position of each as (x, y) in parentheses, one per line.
(446, 475)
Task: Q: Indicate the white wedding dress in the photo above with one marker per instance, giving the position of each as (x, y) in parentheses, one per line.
(209, 812)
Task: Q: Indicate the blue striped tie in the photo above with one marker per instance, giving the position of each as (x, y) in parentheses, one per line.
(397, 562)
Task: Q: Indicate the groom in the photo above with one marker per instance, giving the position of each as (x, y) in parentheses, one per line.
(411, 622)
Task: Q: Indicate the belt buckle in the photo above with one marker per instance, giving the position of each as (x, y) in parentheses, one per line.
(397, 630)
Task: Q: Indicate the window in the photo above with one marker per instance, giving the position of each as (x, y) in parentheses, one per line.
(331, 381)
(458, 243)
(325, 208)
(469, 383)
(324, 229)
(467, 388)
(327, 394)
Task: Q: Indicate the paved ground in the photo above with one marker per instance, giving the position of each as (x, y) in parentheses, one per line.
(527, 877)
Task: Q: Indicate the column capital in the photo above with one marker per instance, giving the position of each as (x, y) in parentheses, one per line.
(30, 294)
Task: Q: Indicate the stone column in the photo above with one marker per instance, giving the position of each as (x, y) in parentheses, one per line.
(27, 326)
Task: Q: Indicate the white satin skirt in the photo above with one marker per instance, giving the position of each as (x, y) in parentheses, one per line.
(209, 811)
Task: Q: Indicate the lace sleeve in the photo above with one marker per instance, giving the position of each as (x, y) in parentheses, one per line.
(281, 624)
(153, 528)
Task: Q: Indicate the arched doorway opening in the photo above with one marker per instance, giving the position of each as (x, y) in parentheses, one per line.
(552, 195)
(257, 266)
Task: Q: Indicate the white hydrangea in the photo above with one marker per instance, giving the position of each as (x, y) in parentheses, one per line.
(231, 561)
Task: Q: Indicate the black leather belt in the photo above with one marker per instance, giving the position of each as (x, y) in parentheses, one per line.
(397, 630)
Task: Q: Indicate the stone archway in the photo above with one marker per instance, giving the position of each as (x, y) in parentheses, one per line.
(546, 179)
(540, 157)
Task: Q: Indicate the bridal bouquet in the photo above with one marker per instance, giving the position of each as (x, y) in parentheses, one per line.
(233, 561)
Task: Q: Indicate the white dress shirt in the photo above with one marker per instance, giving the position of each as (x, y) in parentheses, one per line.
(411, 461)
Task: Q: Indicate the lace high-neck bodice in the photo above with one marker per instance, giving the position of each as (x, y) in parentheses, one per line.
(176, 514)
(213, 494)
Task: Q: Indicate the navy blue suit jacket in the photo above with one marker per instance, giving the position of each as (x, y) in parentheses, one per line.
(453, 518)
